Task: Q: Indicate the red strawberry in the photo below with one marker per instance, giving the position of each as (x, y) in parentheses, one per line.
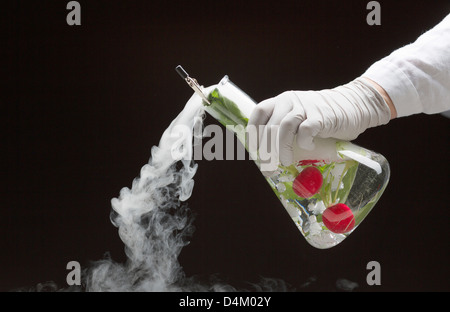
(308, 182)
(338, 218)
(307, 162)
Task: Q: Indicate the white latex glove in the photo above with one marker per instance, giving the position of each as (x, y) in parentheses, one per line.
(341, 113)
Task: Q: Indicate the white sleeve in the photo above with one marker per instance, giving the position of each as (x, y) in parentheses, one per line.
(417, 76)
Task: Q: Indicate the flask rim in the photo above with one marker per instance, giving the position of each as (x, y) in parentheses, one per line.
(224, 80)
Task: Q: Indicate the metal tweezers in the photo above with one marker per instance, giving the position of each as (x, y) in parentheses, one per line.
(192, 82)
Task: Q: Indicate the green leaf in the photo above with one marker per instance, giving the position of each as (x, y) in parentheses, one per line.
(349, 174)
(225, 110)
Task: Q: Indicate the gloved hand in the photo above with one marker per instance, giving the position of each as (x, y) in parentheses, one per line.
(341, 113)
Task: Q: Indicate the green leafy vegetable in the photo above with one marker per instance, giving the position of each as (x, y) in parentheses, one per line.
(226, 111)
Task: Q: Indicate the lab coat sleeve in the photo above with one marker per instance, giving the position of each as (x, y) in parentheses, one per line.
(417, 76)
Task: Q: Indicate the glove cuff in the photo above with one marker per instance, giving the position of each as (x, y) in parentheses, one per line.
(377, 110)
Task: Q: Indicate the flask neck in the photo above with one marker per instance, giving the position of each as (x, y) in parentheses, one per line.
(232, 107)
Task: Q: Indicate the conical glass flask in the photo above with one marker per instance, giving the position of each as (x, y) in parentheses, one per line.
(327, 192)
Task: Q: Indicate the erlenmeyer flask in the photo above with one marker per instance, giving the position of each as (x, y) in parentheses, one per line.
(327, 192)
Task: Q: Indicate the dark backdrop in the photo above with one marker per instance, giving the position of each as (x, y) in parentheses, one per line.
(83, 105)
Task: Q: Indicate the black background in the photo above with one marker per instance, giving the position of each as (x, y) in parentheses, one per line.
(83, 105)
